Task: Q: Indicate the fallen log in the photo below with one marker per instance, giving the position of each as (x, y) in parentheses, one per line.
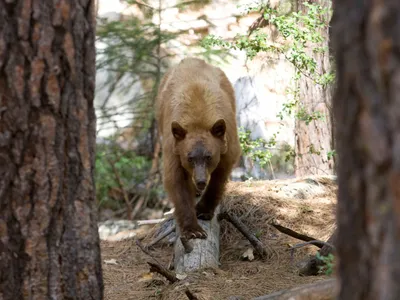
(198, 253)
(321, 290)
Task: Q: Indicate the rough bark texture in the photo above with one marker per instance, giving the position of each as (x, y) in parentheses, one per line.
(49, 244)
(366, 44)
(315, 140)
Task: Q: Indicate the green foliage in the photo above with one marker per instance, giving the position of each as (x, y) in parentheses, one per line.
(131, 169)
(329, 263)
(259, 150)
(301, 31)
(331, 154)
(254, 149)
(298, 38)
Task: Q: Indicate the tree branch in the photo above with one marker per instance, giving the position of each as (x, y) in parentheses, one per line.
(297, 235)
(255, 242)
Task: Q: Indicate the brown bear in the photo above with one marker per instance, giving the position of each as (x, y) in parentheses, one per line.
(196, 116)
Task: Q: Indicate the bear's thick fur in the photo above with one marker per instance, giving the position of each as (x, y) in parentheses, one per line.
(196, 116)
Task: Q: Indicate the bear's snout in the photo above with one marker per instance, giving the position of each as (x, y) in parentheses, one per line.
(201, 184)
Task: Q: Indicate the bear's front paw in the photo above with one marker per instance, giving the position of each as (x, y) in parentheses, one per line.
(204, 213)
(193, 232)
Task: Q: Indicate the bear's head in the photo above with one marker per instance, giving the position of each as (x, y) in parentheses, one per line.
(200, 151)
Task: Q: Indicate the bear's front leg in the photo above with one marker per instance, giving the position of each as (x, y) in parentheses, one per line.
(182, 194)
(212, 196)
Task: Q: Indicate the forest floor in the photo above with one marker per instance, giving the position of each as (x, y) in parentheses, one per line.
(304, 205)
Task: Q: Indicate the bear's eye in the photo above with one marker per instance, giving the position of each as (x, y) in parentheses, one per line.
(190, 159)
(208, 158)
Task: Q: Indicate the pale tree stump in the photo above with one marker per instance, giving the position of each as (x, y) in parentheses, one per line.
(204, 253)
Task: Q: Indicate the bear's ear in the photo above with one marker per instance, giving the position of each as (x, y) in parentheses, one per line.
(177, 130)
(219, 128)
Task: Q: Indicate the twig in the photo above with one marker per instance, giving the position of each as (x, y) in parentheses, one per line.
(317, 243)
(314, 242)
(171, 277)
(157, 266)
(163, 235)
(150, 222)
(144, 4)
(138, 205)
(260, 22)
(169, 213)
(139, 244)
(297, 235)
(255, 242)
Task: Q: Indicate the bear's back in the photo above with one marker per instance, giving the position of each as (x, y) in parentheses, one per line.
(195, 94)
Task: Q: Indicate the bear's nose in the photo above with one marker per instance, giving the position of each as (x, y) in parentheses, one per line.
(201, 184)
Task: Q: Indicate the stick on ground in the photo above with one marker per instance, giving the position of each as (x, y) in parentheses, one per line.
(297, 235)
(255, 242)
(314, 242)
(171, 277)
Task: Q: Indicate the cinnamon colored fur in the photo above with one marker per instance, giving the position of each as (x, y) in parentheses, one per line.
(196, 115)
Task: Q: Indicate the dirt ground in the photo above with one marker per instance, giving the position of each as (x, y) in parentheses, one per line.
(304, 205)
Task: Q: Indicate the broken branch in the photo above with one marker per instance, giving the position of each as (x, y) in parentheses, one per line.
(297, 235)
(150, 222)
(317, 243)
(171, 277)
(255, 242)
(157, 266)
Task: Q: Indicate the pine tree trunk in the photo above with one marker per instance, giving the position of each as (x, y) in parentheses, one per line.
(315, 140)
(49, 244)
(366, 43)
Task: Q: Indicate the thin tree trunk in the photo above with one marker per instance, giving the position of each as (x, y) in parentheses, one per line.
(49, 243)
(315, 140)
(366, 44)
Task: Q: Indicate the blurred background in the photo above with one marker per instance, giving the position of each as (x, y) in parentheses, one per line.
(284, 121)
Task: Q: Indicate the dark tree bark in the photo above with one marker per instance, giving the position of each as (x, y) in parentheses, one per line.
(366, 45)
(315, 140)
(49, 244)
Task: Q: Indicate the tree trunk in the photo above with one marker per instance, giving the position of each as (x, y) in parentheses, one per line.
(366, 44)
(315, 140)
(49, 243)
